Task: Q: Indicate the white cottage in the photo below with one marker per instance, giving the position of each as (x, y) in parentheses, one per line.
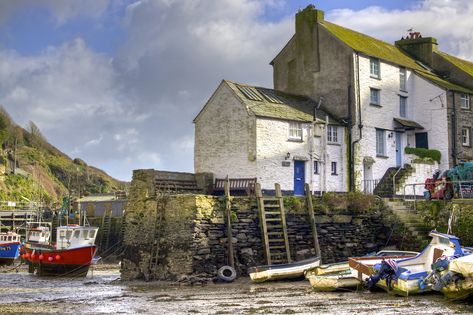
(245, 132)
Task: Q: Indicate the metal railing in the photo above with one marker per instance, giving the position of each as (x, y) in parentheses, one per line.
(462, 188)
(20, 205)
(369, 185)
(394, 180)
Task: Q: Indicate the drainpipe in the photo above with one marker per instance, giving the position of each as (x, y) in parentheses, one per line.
(325, 155)
(360, 125)
(349, 149)
(454, 132)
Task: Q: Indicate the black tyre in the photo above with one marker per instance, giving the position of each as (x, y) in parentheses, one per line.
(448, 194)
(226, 273)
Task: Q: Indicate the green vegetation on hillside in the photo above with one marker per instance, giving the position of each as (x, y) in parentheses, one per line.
(43, 172)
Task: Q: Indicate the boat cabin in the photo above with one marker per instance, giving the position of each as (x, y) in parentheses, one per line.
(39, 233)
(75, 236)
(9, 237)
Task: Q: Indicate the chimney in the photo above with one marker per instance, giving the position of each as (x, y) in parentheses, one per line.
(418, 47)
(307, 37)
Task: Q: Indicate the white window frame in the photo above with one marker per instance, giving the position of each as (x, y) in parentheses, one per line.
(465, 101)
(402, 112)
(380, 142)
(295, 130)
(378, 91)
(375, 68)
(332, 134)
(333, 168)
(466, 137)
(402, 79)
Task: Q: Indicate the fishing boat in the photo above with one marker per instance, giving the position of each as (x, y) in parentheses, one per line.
(284, 271)
(10, 245)
(408, 276)
(339, 276)
(70, 255)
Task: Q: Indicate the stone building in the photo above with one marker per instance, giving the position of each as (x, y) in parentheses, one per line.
(392, 96)
(252, 132)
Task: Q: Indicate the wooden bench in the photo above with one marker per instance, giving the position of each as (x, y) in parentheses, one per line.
(246, 185)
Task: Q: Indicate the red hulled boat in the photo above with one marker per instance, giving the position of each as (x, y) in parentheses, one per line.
(70, 255)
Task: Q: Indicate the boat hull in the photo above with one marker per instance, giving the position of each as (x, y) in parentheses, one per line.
(9, 252)
(333, 282)
(66, 262)
(294, 270)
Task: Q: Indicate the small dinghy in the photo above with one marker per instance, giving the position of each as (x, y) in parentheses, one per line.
(285, 271)
(408, 276)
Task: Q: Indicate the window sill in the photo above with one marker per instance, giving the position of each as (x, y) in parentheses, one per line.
(375, 77)
(382, 156)
(465, 108)
(403, 91)
(466, 145)
(295, 140)
(375, 105)
(334, 174)
(333, 143)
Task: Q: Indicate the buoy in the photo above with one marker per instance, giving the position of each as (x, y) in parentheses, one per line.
(41, 257)
(27, 255)
(50, 258)
(23, 256)
(58, 257)
(33, 256)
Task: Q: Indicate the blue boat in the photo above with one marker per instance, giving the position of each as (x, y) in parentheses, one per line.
(10, 245)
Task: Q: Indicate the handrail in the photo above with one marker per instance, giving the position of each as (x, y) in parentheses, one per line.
(394, 181)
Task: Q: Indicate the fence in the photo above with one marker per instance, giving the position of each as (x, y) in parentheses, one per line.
(369, 185)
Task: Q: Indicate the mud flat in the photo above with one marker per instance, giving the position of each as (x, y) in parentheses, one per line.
(21, 292)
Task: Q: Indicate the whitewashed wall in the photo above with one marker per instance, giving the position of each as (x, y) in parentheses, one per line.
(431, 112)
(421, 172)
(225, 137)
(272, 146)
(420, 108)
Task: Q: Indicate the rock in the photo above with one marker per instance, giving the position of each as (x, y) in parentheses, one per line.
(342, 218)
(247, 251)
(203, 251)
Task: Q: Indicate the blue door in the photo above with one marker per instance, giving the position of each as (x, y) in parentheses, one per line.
(398, 149)
(299, 178)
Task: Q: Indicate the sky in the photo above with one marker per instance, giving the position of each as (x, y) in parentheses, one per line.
(117, 83)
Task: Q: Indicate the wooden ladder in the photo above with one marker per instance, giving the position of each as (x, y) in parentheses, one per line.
(273, 225)
(162, 198)
(106, 229)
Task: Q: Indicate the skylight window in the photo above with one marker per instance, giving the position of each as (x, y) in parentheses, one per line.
(250, 93)
(270, 96)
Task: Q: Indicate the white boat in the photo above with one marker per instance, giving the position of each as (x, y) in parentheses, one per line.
(455, 282)
(284, 271)
(332, 277)
(411, 273)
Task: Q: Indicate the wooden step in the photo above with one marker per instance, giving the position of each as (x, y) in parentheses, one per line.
(273, 220)
(278, 247)
(278, 226)
(276, 240)
(272, 212)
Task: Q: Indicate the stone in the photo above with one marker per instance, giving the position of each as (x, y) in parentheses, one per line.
(323, 219)
(342, 218)
(203, 251)
(247, 251)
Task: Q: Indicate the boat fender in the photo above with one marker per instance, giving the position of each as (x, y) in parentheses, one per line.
(41, 257)
(227, 273)
(50, 258)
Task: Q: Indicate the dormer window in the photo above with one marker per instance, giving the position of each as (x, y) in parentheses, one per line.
(374, 68)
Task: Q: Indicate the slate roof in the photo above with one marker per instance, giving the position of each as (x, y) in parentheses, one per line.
(290, 107)
(410, 124)
(464, 65)
(98, 198)
(379, 49)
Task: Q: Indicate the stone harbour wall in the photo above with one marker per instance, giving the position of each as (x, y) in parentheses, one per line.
(187, 234)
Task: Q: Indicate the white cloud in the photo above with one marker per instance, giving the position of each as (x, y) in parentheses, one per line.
(447, 20)
(61, 10)
(135, 109)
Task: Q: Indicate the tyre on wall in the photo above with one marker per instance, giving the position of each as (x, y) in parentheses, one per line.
(227, 273)
(448, 194)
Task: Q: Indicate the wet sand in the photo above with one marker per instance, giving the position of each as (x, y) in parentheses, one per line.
(101, 292)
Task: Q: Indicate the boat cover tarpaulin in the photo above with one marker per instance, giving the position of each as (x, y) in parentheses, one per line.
(462, 265)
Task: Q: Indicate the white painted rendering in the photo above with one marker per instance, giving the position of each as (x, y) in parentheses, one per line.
(414, 183)
(230, 141)
(424, 106)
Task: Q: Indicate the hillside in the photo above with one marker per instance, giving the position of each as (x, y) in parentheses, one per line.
(43, 172)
